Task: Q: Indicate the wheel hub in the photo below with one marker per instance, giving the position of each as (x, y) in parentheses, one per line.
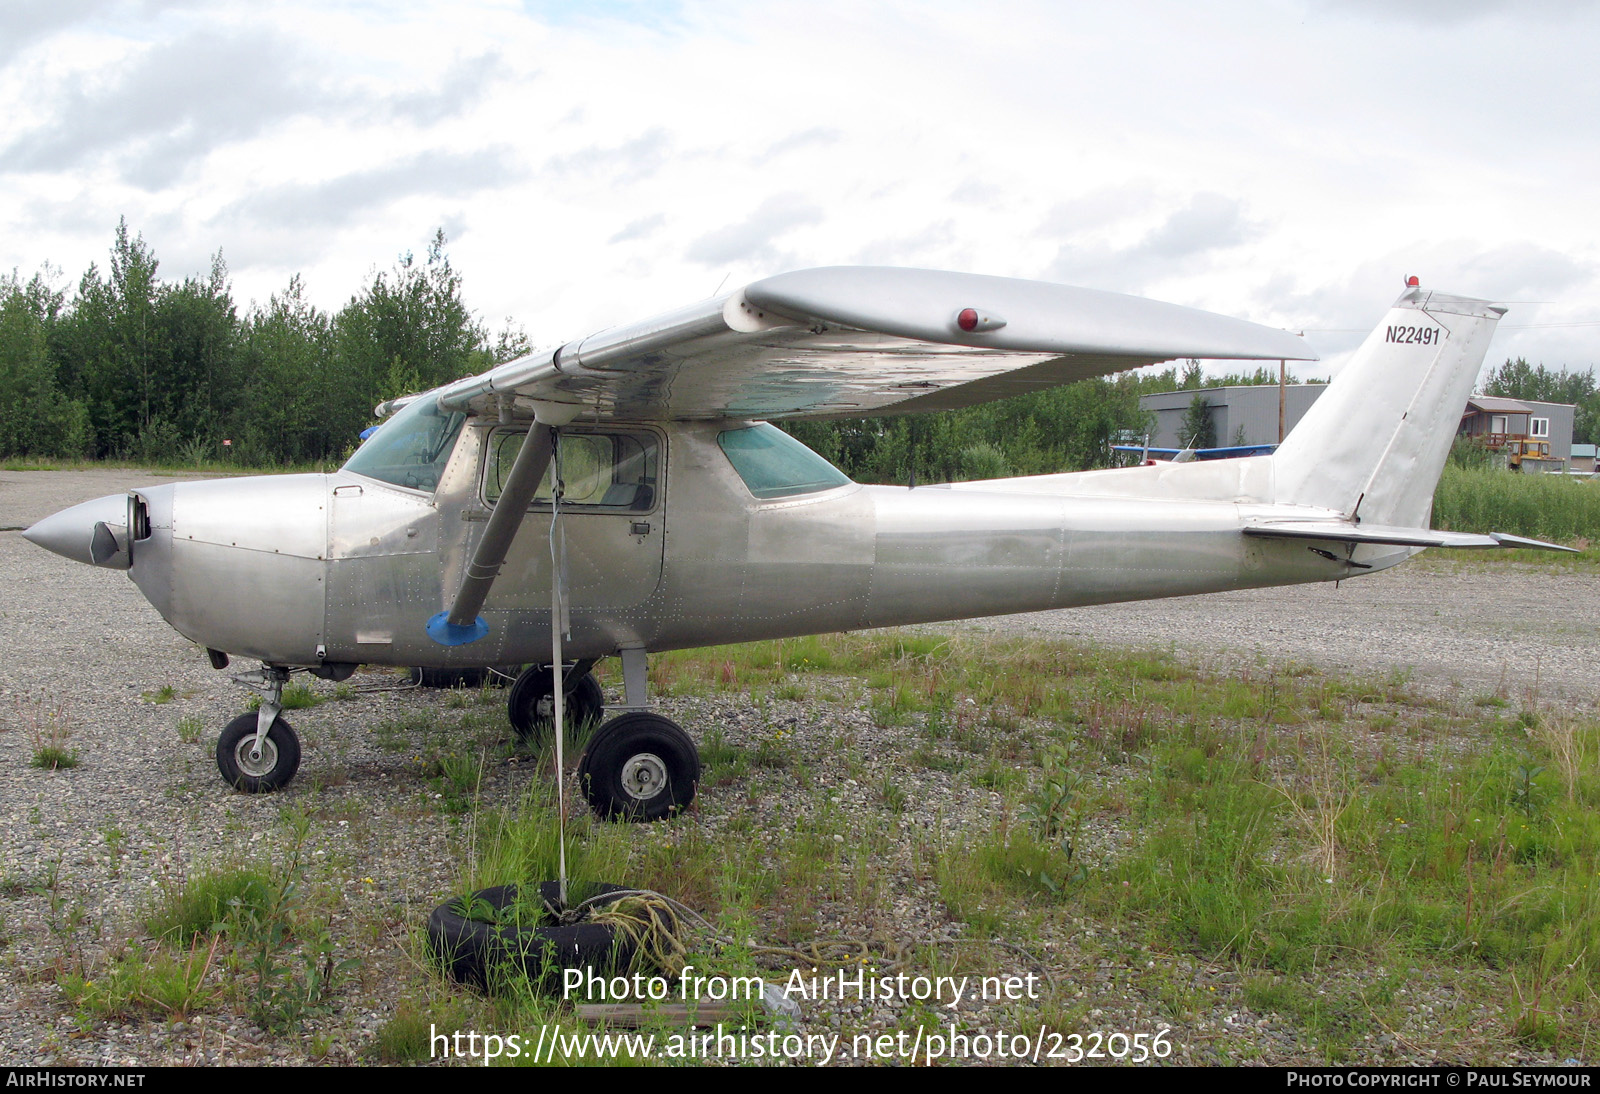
(644, 776)
(256, 766)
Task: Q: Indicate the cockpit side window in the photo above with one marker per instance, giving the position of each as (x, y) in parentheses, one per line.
(615, 471)
(411, 448)
(775, 465)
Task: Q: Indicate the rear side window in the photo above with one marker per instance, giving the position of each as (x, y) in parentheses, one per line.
(614, 471)
(775, 465)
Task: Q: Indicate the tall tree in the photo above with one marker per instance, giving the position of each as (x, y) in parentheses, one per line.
(411, 328)
(36, 418)
(1198, 430)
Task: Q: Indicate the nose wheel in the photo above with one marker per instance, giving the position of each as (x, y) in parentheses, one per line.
(258, 751)
(255, 763)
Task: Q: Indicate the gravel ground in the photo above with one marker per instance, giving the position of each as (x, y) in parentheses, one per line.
(1446, 625)
(145, 805)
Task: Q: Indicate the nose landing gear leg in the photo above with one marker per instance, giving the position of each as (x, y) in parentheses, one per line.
(259, 751)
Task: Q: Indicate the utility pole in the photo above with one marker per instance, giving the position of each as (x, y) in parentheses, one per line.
(1283, 368)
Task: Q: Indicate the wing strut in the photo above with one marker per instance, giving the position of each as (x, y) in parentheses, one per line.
(462, 623)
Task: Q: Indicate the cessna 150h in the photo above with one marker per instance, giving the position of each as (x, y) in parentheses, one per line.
(679, 518)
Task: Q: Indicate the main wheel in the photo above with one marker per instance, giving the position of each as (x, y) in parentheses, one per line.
(639, 767)
(531, 706)
(243, 769)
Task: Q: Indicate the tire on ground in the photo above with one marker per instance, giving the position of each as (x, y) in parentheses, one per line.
(639, 767)
(279, 760)
(485, 955)
(585, 704)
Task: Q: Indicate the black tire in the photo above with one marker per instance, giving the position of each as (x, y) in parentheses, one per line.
(481, 954)
(531, 709)
(639, 767)
(279, 760)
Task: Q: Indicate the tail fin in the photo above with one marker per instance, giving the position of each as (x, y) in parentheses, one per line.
(1373, 445)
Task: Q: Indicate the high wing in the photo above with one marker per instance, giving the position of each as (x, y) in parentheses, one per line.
(861, 341)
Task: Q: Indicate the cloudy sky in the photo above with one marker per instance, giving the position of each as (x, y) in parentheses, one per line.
(596, 162)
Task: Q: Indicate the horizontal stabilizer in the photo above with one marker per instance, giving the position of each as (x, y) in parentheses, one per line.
(1345, 532)
(1231, 452)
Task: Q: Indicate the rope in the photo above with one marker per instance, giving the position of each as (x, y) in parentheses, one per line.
(654, 923)
(558, 622)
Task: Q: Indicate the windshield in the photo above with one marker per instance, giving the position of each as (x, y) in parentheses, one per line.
(411, 448)
(775, 465)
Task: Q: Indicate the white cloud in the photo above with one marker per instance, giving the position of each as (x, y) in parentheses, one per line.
(1287, 162)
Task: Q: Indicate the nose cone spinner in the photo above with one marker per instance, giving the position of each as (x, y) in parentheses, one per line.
(94, 533)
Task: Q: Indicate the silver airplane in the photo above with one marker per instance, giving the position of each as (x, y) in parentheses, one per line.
(625, 493)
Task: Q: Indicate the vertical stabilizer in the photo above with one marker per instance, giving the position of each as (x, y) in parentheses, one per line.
(1373, 445)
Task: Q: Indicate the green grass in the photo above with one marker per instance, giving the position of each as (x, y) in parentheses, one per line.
(1280, 821)
(1550, 507)
(295, 697)
(53, 757)
(209, 902)
(136, 984)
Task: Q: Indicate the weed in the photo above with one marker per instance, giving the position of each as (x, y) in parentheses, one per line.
(163, 694)
(1526, 794)
(1320, 803)
(66, 918)
(190, 729)
(48, 732)
(1573, 747)
(136, 983)
(286, 953)
(116, 841)
(997, 775)
(1055, 807)
(50, 758)
(407, 1037)
(891, 794)
(1541, 506)
(455, 778)
(791, 690)
(773, 750)
(295, 697)
(209, 903)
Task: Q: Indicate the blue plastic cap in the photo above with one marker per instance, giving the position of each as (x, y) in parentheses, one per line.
(446, 633)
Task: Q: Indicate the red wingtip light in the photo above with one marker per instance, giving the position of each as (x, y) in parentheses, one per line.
(973, 321)
(1412, 282)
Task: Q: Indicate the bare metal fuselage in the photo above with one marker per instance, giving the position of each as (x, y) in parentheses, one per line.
(340, 568)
